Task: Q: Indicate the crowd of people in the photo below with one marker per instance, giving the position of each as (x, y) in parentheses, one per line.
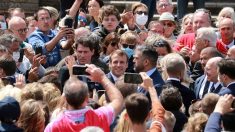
(100, 69)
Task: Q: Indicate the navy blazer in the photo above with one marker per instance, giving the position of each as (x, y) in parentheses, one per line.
(186, 93)
(157, 82)
(110, 77)
(229, 90)
(198, 85)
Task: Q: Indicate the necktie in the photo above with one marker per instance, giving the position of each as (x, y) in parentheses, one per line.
(205, 91)
(212, 88)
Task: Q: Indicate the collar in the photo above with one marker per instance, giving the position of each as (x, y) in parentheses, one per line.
(76, 115)
(174, 79)
(216, 85)
(114, 77)
(229, 45)
(231, 83)
(150, 72)
(50, 34)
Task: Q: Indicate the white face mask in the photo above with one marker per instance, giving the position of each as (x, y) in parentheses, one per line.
(141, 19)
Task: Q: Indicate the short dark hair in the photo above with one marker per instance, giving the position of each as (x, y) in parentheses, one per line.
(75, 92)
(148, 52)
(40, 9)
(171, 98)
(119, 53)
(227, 120)
(227, 66)
(84, 41)
(8, 64)
(137, 107)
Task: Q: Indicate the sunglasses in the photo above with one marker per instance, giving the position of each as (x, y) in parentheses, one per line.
(160, 43)
(168, 24)
(141, 12)
(131, 46)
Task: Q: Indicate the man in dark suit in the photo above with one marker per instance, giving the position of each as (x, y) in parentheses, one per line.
(175, 69)
(145, 60)
(201, 83)
(227, 76)
(118, 63)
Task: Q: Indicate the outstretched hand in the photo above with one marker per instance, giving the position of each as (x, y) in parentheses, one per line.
(224, 105)
(96, 74)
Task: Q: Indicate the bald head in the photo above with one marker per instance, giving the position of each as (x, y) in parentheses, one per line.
(208, 53)
(226, 29)
(211, 69)
(18, 26)
(76, 93)
(231, 52)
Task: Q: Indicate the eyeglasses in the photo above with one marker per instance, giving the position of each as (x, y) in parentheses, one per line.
(168, 24)
(131, 46)
(141, 12)
(160, 43)
(45, 19)
(163, 5)
(23, 30)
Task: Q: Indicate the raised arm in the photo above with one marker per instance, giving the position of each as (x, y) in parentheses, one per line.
(157, 109)
(97, 75)
(73, 10)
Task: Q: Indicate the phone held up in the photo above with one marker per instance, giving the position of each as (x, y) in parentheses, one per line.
(133, 78)
(68, 22)
(80, 70)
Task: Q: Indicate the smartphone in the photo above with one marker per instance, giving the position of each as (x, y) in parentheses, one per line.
(80, 70)
(133, 78)
(21, 55)
(38, 50)
(233, 104)
(68, 22)
(100, 92)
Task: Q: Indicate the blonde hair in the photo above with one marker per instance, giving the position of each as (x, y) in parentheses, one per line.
(130, 37)
(9, 90)
(123, 124)
(32, 91)
(228, 11)
(51, 95)
(32, 117)
(196, 123)
(186, 17)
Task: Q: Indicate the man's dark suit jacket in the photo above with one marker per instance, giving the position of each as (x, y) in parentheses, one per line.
(198, 85)
(229, 90)
(157, 82)
(186, 93)
(110, 77)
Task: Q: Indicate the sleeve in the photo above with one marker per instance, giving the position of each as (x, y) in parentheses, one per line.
(213, 123)
(36, 40)
(158, 117)
(107, 111)
(179, 43)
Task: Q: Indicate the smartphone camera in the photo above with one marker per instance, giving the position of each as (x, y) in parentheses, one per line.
(38, 50)
(133, 78)
(68, 22)
(80, 70)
